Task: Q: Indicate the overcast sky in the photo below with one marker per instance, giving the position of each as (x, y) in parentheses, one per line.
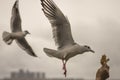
(93, 22)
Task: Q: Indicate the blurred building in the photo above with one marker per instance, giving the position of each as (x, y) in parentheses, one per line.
(28, 75)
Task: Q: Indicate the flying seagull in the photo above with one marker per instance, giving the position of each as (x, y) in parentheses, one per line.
(17, 34)
(67, 48)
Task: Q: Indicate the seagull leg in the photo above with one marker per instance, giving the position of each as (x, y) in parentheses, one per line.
(63, 64)
(64, 67)
(65, 70)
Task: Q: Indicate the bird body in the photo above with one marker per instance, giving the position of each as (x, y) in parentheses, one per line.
(67, 52)
(61, 28)
(13, 36)
(17, 34)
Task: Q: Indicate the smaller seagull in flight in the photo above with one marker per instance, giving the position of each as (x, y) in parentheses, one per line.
(67, 48)
(17, 34)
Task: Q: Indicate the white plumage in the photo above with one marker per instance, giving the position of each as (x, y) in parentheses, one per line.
(17, 34)
(67, 48)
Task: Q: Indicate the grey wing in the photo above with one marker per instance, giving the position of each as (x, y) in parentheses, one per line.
(22, 43)
(60, 24)
(15, 18)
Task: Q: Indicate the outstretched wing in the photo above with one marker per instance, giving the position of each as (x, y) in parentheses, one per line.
(22, 43)
(15, 18)
(60, 24)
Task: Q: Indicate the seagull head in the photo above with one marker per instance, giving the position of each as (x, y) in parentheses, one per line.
(88, 49)
(26, 32)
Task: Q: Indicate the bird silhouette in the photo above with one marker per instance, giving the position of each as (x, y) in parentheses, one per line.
(17, 34)
(67, 48)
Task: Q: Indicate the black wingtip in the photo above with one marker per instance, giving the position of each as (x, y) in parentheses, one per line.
(42, 4)
(31, 53)
(34, 55)
(41, 0)
(16, 4)
(42, 9)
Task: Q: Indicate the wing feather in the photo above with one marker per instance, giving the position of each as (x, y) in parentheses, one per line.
(15, 18)
(23, 44)
(60, 24)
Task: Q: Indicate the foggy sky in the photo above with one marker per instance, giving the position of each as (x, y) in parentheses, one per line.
(93, 22)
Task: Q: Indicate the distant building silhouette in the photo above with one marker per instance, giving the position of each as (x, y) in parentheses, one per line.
(27, 75)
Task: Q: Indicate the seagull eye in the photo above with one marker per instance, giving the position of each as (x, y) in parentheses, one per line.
(88, 47)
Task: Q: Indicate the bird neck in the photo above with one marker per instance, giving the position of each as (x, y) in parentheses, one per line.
(82, 49)
(24, 33)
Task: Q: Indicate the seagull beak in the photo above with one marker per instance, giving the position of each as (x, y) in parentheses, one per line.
(92, 51)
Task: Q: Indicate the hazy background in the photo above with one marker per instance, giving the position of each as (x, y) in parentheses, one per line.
(94, 22)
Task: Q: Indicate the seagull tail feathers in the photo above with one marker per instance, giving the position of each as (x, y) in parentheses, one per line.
(7, 37)
(50, 52)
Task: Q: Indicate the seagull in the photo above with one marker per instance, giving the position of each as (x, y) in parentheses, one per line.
(17, 34)
(67, 48)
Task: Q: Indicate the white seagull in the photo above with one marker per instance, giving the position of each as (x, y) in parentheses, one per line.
(17, 34)
(67, 48)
